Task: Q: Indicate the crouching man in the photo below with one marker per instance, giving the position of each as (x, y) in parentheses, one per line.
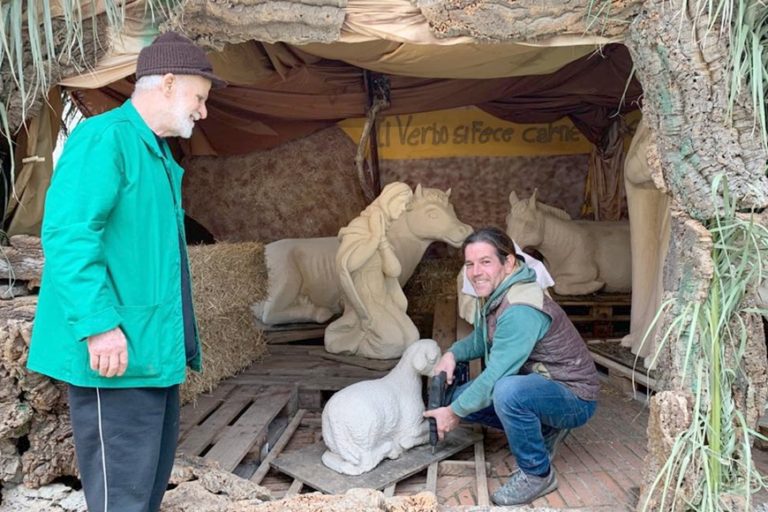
(539, 380)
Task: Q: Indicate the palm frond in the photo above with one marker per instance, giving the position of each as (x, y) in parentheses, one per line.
(30, 37)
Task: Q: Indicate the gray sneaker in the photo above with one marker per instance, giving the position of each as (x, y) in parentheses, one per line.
(522, 488)
(554, 439)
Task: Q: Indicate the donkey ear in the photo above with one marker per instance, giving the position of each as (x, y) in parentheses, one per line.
(448, 193)
(418, 192)
(513, 198)
(532, 200)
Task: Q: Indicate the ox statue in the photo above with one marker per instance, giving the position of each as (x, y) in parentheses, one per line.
(303, 279)
(583, 256)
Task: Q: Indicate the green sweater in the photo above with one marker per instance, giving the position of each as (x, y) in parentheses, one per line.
(518, 329)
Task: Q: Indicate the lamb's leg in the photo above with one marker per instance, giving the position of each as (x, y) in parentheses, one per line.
(336, 463)
(418, 437)
(387, 449)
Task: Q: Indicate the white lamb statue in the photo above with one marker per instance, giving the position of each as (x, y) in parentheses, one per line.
(373, 419)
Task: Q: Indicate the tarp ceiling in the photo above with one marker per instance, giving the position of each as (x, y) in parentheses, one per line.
(279, 92)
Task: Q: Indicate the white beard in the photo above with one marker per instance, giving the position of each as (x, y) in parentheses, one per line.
(182, 122)
(184, 125)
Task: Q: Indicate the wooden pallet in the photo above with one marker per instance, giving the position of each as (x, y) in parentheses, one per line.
(318, 376)
(306, 471)
(233, 423)
(598, 315)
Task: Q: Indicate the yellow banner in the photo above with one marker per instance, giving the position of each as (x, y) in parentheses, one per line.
(468, 132)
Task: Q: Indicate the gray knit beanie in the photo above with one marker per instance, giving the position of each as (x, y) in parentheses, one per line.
(174, 53)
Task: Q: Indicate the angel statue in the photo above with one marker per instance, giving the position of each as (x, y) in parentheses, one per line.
(374, 323)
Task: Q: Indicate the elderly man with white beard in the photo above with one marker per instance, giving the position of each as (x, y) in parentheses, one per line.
(115, 318)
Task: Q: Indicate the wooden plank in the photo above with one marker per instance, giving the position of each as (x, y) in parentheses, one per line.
(389, 490)
(295, 488)
(297, 349)
(287, 333)
(381, 365)
(459, 468)
(624, 371)
(431, 485)
(463, 328)
(306, 465)
(444, 322)
(316, 370)
(199, 437)
(275, 337)
(263, 468)
(619, 299)
(312, 383)
(196, 411)
(481, 478)
(238, 439)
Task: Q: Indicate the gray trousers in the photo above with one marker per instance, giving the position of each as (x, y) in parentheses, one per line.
(125, 441)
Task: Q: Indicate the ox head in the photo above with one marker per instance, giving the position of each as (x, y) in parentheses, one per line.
(525, 224)
(431, 216)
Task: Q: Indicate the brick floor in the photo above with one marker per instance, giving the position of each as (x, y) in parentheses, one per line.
(599, 466)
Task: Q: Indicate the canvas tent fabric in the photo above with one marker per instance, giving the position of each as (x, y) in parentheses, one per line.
(310, 95)
(387, 36)
(281, 92)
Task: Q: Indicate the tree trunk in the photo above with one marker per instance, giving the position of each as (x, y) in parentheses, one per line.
(682, 67)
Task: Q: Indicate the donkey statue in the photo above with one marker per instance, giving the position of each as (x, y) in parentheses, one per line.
(583, 256)
(303, 279)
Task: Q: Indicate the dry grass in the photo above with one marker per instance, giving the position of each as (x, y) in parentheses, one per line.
(226, 279)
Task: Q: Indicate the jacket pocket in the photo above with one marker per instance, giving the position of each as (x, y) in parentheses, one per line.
(143, 327)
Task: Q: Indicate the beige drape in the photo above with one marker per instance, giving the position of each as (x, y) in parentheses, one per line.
(25, 208)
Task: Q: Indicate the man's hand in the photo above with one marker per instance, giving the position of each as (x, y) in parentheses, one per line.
(446, 364)
(446, 420)
(109, 353)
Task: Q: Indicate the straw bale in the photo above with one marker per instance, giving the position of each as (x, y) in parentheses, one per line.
(230, 344)
(227, 276)
(226, 279)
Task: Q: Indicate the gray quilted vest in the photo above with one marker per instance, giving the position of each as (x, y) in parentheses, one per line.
(560, 355)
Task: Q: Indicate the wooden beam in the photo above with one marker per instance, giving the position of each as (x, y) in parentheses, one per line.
(263, 468)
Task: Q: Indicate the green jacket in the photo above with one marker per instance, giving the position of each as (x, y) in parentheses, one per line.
(110, 237)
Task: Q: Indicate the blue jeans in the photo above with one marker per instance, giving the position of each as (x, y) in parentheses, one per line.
(527, 408)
